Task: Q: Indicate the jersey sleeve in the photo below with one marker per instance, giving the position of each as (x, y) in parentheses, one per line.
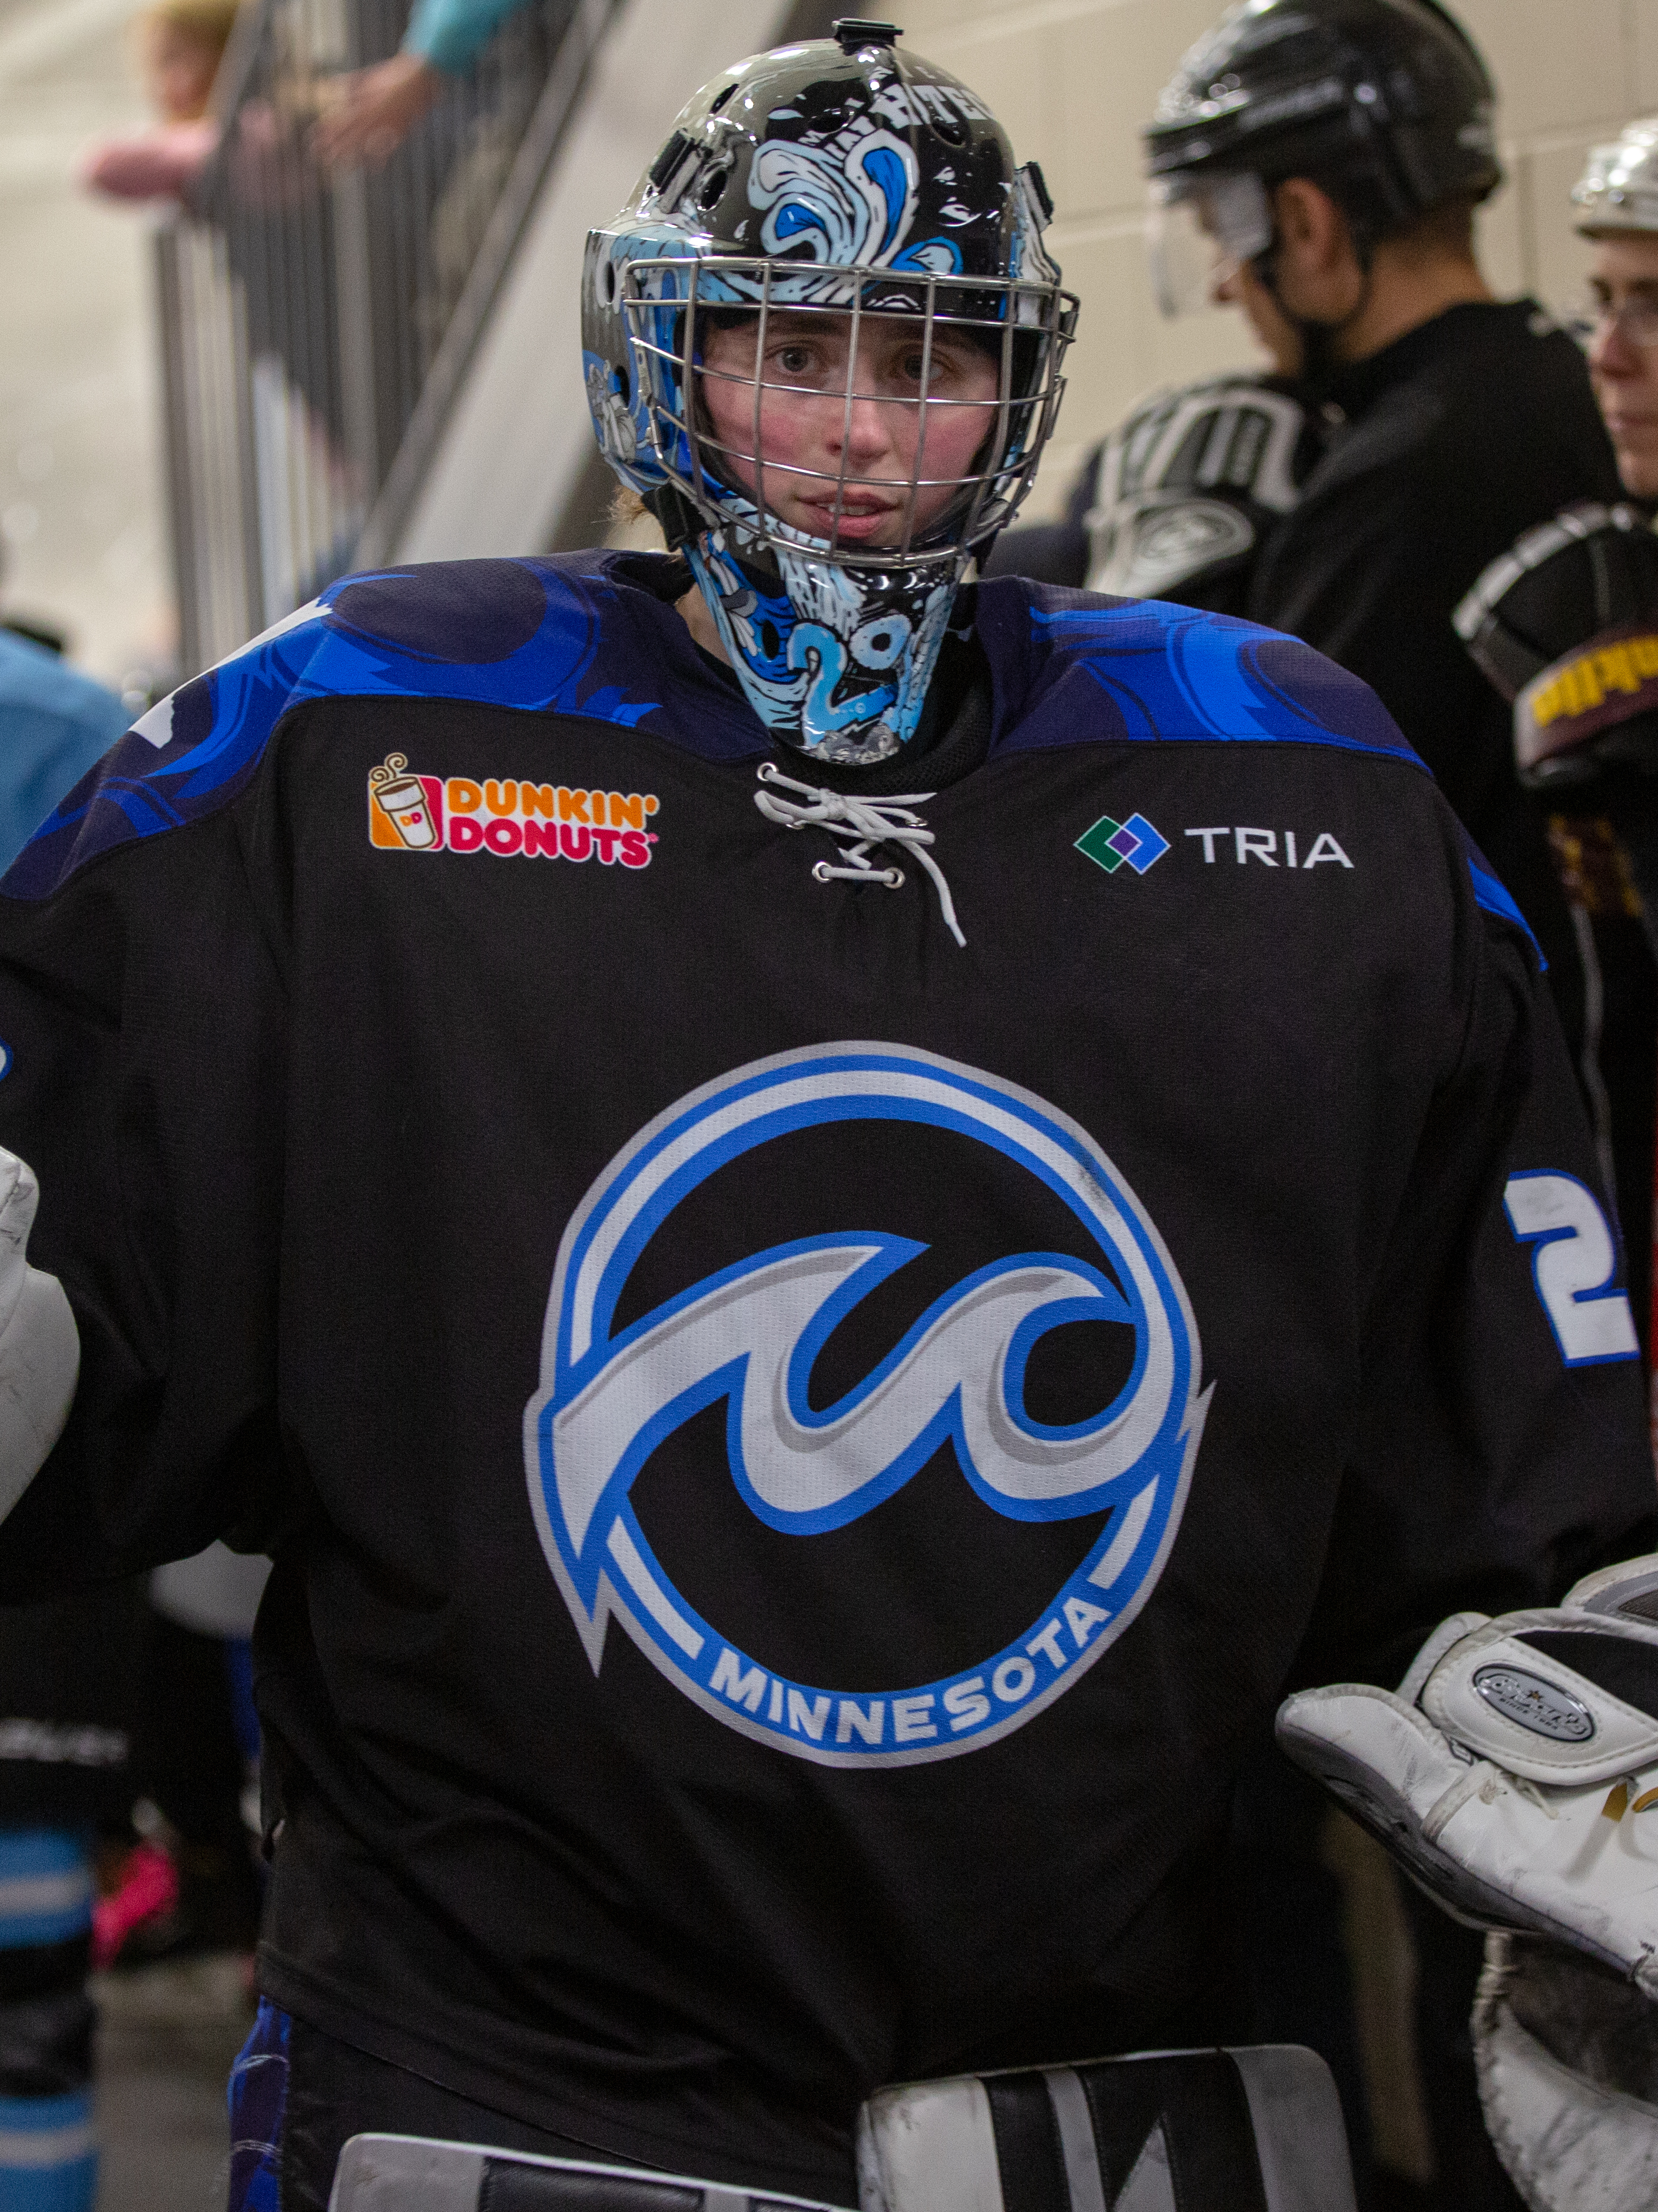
(451, 34)
(1501, 1449)
(142, 1018)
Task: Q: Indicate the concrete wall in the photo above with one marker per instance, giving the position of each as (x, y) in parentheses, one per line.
(1074, 81)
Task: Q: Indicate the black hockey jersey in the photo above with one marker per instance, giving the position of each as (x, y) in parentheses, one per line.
(1451, 440)
(798, 1452)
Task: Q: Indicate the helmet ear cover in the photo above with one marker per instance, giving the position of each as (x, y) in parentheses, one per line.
(1376, 198)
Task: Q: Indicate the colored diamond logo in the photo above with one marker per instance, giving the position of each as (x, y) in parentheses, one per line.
(1110, 843)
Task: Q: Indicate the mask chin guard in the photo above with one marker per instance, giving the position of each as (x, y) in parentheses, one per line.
(835, 661)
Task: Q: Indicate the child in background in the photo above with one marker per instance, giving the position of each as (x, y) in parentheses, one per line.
(180, 44)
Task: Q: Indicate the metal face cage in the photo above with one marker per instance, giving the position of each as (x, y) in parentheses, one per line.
(1022, 326)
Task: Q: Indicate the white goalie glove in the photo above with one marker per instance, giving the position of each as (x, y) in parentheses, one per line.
(1567, 2054)
(39, 1344)
(1514, 1774)
(1515, 1771)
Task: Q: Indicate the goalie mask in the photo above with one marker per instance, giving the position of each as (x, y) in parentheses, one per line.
(823, 342)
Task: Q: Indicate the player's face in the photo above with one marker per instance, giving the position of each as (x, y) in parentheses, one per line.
(1236, 284)
(816, 445)
(1623, 311)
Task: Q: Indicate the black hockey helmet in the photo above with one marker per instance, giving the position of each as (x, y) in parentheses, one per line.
(1562, 624)
(1385, 104)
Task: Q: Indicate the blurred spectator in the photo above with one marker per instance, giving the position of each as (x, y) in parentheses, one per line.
(181, 44)
(54, 723)
(372, 111)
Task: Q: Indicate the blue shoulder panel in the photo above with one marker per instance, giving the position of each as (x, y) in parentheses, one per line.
(556, 635)
(1139, 671)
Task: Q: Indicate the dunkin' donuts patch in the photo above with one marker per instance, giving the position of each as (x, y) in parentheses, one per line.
(409, 812)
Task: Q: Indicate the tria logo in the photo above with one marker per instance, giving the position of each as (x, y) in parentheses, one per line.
(1110, 843)
(410, 813)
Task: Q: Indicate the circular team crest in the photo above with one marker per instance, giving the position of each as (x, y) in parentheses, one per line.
(750, 1335)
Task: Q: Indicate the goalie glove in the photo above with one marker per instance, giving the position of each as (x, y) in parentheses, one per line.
(1567, 2056)
(1515, 1773)
(39, 1344)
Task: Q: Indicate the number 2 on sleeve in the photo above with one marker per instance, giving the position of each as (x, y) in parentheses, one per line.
(1573, 1262)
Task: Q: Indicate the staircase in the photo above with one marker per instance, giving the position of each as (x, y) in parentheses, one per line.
(380, 366)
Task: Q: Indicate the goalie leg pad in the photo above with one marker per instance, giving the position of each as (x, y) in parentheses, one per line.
(1249, 2130)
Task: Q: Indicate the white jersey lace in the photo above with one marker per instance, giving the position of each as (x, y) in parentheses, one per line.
(858, 822)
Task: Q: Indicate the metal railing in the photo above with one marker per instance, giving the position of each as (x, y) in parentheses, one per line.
(316, 327)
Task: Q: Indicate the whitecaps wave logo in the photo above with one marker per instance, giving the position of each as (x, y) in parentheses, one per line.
(850, 204)
(750, 1334)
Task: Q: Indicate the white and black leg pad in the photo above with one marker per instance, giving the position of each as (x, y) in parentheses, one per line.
(1567, 2055)
(1516, 1776)
(1247, 2131)
(413, 2173)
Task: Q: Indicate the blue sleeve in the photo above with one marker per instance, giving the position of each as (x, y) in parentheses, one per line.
(451, 34)
(55, 724)
(42, 755)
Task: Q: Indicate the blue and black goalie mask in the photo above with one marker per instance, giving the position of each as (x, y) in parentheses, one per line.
(831, 258)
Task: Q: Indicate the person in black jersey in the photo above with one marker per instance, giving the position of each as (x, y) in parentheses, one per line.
(828, 1218)
(1344, 158)
(1562, 623)
(1340, 151)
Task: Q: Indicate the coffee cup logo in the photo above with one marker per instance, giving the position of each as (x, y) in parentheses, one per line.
(401, 799)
